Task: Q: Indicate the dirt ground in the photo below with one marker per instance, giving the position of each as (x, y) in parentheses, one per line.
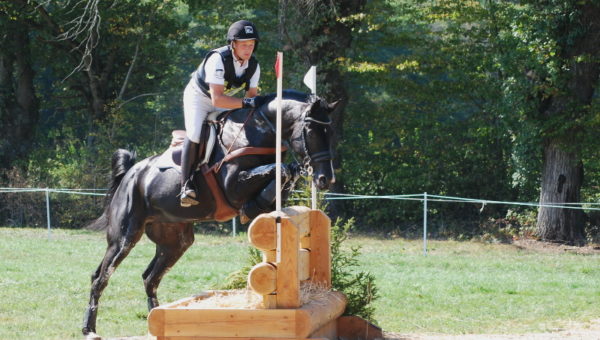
(549, 247)
(575, 331)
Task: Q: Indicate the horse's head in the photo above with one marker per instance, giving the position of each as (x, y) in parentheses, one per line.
(312, 142)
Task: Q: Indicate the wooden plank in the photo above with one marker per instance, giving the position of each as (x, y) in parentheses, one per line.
(288, 285)
(304, 264)
(300, 216)
(250, 323)
(230, 323)
(270, 301)
(320, 252)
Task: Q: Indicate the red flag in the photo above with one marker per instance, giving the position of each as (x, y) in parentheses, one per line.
(278, 64)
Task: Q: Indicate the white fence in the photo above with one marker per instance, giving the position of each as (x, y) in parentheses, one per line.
(424, 197)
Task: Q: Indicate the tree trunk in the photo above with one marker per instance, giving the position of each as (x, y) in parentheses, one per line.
(562, 173)
(19, 106)
(562, 176)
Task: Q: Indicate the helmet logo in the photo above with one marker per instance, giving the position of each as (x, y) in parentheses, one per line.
(249, 29)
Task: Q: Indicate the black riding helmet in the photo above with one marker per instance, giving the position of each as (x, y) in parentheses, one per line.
(242, 30)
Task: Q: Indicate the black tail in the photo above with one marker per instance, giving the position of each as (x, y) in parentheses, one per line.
(122, 161)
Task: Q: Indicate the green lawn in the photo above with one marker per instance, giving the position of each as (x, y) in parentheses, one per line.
(460, 287)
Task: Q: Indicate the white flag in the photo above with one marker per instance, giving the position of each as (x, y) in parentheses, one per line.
(310, 79)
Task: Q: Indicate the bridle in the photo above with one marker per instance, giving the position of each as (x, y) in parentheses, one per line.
(309, 159)
(317, 157)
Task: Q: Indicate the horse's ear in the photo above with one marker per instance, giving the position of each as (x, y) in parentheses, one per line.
(333, 106)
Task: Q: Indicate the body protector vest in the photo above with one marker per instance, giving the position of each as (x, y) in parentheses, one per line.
(233, 83)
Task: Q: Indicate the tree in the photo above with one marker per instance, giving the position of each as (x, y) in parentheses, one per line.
(19, 105)
(319, 32)
(107, 74)
(93, 61)
(566, 37)
(426, 112)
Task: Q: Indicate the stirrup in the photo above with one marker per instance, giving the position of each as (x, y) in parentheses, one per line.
(187, 201)
(187, 197)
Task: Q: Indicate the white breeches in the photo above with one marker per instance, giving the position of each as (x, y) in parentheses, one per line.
(196, 107)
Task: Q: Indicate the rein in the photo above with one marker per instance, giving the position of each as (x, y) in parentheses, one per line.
(249, 150)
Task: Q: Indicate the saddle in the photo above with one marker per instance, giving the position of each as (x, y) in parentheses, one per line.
(172, 159)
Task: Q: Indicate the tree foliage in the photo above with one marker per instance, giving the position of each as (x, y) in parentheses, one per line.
(450, 97)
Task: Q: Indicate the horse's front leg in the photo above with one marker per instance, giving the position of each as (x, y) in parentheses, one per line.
(262, 179)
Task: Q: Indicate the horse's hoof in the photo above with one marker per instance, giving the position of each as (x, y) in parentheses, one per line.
(244, 219)
(92, 336)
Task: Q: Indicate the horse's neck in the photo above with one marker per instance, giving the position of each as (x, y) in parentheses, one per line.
(290, 114)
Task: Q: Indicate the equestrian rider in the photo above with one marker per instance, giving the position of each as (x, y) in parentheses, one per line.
(223, 72)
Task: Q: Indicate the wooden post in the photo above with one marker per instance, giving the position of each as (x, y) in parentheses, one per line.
(288, 284)
(320, 253)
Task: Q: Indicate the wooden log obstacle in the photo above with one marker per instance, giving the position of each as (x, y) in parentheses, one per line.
(296, 249)
(296, 252)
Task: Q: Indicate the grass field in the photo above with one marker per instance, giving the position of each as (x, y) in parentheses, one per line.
(459, 287)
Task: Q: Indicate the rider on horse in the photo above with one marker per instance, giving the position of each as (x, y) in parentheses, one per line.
(223, 72)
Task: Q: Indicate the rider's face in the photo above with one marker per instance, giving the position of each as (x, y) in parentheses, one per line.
(243, 49)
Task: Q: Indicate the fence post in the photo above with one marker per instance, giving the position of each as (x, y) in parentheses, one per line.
(425, 223)
(48, 213)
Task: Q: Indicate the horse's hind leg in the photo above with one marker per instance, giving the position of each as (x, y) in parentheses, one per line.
(118, 248)
(172, 240)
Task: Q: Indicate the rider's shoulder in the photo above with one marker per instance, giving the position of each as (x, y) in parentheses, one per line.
(214, 60)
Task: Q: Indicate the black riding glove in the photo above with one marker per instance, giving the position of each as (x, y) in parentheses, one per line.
(253, 102)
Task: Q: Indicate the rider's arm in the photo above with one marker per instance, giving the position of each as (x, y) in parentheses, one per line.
(252, 92)
(220, 99)
(217, 87)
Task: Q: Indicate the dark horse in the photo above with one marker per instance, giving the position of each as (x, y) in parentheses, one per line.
(143, 196)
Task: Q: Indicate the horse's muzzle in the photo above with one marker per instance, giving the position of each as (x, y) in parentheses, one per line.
(323, 182)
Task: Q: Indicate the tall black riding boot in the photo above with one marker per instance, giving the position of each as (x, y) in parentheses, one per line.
(189, 156)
